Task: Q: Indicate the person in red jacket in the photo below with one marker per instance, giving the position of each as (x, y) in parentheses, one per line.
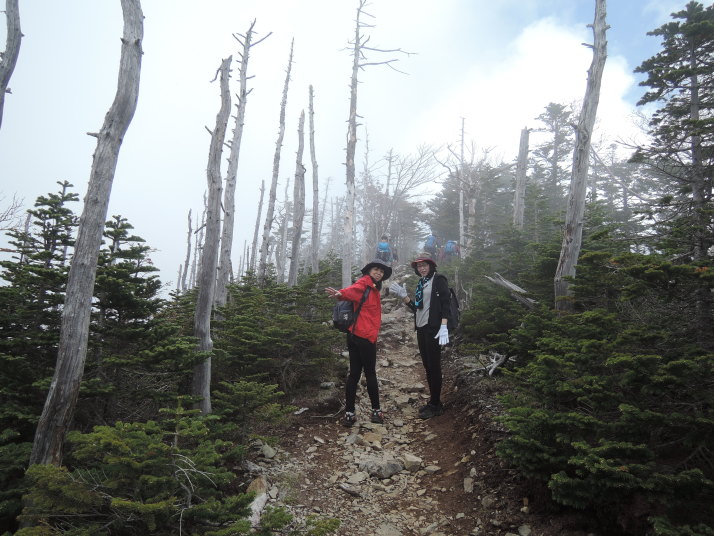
(362, 336)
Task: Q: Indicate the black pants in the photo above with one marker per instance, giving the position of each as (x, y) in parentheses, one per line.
(363, 356)
(431, 359)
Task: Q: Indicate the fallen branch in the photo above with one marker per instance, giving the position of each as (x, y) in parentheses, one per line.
(516, 291)
(496, 361)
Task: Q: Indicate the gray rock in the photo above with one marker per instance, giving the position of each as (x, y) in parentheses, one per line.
(488, 501)
(350, 490)
(381, 468)
(268, 451)
(386, 529)
(251, 467)
(352, 439)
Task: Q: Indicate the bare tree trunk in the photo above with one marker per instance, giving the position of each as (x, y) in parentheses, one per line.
(315, 192)
(358, 62)
(347, 245)
(74, 331)
(198, 250)
(298, 203)
(224, 263)
(573, 232)
(521, 169)
(8, 59)
(369, 224)
(276, 169)
(282, 246)
(462, 185)
(201, 384)
(188, 253)
(324, 207)
(197, 245)
(257, 225)
(475, 184)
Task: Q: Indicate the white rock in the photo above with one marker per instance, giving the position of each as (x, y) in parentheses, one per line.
(358, 477)
(411, 463)
(488, 501)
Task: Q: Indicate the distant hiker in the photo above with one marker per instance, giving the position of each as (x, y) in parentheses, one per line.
(384, 250)
(432, 311)
(362, 336)
(451, 250)
(431, 245)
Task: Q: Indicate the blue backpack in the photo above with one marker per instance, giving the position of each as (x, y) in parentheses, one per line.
(450, 247)
(430, 242)
(383, 247)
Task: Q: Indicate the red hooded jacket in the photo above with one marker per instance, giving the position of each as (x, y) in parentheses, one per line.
(370, 316)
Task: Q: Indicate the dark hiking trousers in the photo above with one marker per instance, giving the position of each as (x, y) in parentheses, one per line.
(431, 359)
(363, 356)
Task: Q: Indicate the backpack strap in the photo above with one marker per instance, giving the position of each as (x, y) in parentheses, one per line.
(361, 303)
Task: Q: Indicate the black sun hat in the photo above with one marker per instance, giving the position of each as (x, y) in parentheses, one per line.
(377, 263)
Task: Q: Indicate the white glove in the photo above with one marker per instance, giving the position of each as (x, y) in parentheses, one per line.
(443, 335)
(397, 289)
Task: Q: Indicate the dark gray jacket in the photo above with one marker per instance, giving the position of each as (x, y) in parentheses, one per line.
(440, 305)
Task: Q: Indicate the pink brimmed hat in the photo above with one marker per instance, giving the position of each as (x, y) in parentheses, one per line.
(423, 257)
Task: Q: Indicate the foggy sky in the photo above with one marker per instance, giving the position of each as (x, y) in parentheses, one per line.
(496, 67)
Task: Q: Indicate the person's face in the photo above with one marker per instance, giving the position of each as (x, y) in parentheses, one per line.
(376, 273)
(423, 268)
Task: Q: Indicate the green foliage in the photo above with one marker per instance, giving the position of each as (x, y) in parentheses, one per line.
(608, 425)
(136, 350)
(134, 478)
(245, 403)
(30, 297)
(13, 462)
(277, 520)
(278, 333)
(681, 82)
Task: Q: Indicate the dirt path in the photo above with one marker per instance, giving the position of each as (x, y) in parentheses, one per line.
(408, 477)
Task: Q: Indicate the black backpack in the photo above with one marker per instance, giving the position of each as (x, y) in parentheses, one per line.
(455, 316)
(343, 314)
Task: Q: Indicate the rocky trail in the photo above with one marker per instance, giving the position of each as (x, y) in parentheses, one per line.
(407, 477)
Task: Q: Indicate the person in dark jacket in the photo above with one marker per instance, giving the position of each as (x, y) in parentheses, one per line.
(431, 306)
(362, 336)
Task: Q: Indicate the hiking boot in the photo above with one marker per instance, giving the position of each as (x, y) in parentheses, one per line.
(377, 416)
(431, 410)
(428, 406)
(349, 419)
